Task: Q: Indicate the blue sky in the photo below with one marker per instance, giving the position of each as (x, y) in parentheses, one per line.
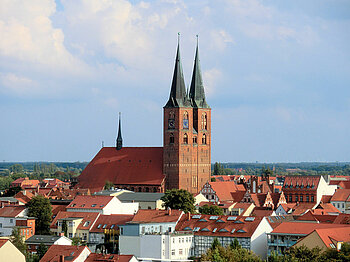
(276, 74)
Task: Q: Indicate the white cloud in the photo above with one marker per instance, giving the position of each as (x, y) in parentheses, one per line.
(211, 79)
(15, 84)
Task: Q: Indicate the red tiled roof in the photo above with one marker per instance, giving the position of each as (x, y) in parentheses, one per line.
(90, 202)
(11, 211)
(127, 166)
(242, 205)
(342, 219)
(310, 216)
(341, 195)
(341, 234)
(288, 206)
(57, 208)
(326, 198)
(261, 212)
(325, 208)
(223, 189)
(301, 181)
(297, 228)
(156, 216)
(86, 216)
(54, 252)
(301, 208)
(237, 196)
(108, 258)
(238, 227)
(2, 242)
(106, 221)
(344, 184)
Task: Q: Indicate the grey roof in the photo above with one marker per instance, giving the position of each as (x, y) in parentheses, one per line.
(139, 197)
(197, 94)
(46, 239)
(11, 199)
(178, 95)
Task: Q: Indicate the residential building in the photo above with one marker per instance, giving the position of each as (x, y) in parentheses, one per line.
(325, 238)
(287, 234)
(77, 224)
(145, 200)
(8, 216)
(66, 253)
(221, 191)
(26, 226)
(25, 183)
(48, 240)
(105, 205)
(341, 200)
(151, 234)
(8, 252)
(309, 189)
(249, 231)
(104, 234)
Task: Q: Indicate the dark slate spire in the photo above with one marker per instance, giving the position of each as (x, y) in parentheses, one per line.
(197, 95)
(178, 96)
(119, 137)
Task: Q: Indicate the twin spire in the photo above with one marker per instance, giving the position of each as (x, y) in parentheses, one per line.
(119, 143)
(178, 95)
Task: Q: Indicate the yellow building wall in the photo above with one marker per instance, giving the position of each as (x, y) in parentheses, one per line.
(311, 241)
(8, 252)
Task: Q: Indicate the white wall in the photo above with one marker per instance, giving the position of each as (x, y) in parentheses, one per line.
(117, 207)
(259, 238)
(63, 241)
(129, 245)
(324, 189)
(83, 256)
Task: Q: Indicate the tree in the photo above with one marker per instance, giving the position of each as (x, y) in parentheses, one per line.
(12, 191)
(235, 244)
(65, 228)
(76, 241)
(211, 210)
(18, 241)
(215, 244)
(40, 208)
(218, 170)
(179, 199)
(42, 249)
(108, 185)
(16, 169)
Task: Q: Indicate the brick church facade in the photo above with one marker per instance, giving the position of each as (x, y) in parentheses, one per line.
(184, 161)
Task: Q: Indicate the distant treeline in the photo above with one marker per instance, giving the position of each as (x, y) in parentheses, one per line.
(29, 166)
(303, 168)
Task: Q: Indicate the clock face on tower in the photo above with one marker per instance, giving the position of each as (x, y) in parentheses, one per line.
(185, 123)
(171, 123)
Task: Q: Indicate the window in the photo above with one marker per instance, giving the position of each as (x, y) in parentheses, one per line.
(171, 138)
(194, 181)
(204, 139)
(194, 140)
(185, 120)
(204, 121)
(296, 198)
(11, 220)
(70, 235)
(290, 198)
(312, 199)
(0, 225)
(173, 252)
(307, 198)
(93, 205)
(171, 115)
(185, 138)
(99, 226)
(301, 198)
(180, 252)
(86, 223)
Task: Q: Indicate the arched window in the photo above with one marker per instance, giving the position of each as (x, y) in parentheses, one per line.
(147, 189)
(204, 121)
(204, 139)
(185, 138)
(140, 189)
(171, 115)
(154, 190)
(186, 115)
(171, 138)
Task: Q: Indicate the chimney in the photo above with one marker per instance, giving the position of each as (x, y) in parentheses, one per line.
(61, 234)
(189, 216)
(61, 258)
(169, 211)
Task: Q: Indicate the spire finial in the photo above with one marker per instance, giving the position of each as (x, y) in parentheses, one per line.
(178, 37)
(197, 39)
(119, 137)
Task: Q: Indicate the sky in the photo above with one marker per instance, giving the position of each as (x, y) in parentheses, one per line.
(276, 75)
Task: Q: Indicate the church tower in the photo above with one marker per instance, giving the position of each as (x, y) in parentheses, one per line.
(187, 131)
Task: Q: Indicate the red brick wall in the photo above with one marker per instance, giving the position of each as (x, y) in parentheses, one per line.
(187, 166)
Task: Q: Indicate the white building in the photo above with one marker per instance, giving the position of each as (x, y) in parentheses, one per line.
(8, 217)
(105, 205)
(151, 235)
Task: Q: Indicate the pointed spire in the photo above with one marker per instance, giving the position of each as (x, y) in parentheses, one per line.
(178, 95)
(119, 137)
(196, 93)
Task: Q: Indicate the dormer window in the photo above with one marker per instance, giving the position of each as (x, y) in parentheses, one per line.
(93, 205)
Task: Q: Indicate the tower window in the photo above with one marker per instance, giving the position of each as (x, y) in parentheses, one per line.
(171, 115)
(204, 121)
(171, 139)
(185, 139)
(194, 140)
(204, 139)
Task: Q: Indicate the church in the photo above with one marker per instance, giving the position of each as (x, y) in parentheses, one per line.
(184, 161)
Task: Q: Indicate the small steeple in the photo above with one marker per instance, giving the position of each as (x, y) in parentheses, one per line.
(119, 137)
(178, 96)
(196, 94)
